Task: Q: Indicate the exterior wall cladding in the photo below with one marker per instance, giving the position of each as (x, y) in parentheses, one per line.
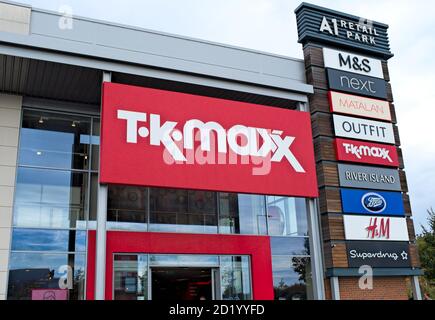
(48, 70)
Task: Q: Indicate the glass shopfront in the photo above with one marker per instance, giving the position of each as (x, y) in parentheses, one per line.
(56, 203)
(181, 277)
(57, 164)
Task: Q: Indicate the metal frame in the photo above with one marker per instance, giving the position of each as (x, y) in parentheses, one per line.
(100, 259)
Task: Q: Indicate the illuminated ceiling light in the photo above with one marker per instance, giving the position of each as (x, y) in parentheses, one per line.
(73, 124)
(41, 121)
(39, 153)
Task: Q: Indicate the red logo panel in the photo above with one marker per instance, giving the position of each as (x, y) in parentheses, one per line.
(366, 152)
(167, 139)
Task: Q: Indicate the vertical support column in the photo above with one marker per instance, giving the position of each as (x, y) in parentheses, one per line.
(100, 258)
(315, 238)
(10, 121)
(416, 291)
(316, 250)
(335, 288)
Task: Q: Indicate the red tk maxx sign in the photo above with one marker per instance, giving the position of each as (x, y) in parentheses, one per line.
(167, 139)
(366, 152)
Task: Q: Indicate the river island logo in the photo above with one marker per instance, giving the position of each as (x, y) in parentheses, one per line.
(374, 202)
(274, 145)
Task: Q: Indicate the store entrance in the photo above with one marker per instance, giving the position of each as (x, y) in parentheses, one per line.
(181, 283)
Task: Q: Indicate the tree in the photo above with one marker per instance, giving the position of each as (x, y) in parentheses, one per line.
(426, 248)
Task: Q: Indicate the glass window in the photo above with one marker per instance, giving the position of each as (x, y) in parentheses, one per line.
(49, 198)
(242, 214)
(183, 211)
(292, 278)
(54, 140)
(290, 246)
(131, 277)
(183, 260)
(286, 216)
(48, 240)
(95, 144)
(127, 204)
(235, 278)
(36, 276)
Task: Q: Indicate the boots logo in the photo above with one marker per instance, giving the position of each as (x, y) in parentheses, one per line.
(360, 151)
(373, 202)
(176, 141)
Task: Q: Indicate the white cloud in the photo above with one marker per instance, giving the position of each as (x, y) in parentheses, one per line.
(269, 25)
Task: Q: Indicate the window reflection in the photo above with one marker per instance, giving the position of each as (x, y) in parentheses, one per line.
(131, 277)
(292, 278)
(183, 210)
(286, 216)
(48, 240)
(54, 140)
(242, 214)
(36, 276)
(127, 204)
(235, 278)
(49, 198)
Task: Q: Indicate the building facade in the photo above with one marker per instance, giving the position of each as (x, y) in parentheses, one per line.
(138, 165)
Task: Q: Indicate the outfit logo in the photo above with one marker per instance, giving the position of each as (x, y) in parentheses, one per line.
(357, 128)
(175, 141)
(374, 202)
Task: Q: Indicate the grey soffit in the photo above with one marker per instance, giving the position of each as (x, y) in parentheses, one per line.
(57, 81)
(110, 42)
(42, 79)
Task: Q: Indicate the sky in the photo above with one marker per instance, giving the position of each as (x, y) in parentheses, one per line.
(270, 26)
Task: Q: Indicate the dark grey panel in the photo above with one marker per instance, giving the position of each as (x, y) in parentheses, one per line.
(48, 80)
(378, 254)
(377, 272)
(309, 19)
(369, 177)
(356, 83)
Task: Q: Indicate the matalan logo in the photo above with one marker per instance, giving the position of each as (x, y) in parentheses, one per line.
(179, 139)
(360, 151)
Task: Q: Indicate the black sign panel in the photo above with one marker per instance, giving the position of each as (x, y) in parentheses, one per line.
(323, 25)
(378, 254)
(356, 83)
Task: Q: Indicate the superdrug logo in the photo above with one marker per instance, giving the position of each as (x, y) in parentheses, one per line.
(179, 138)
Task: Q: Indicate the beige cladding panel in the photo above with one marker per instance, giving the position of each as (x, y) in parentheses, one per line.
(14, 19)
(10, 114)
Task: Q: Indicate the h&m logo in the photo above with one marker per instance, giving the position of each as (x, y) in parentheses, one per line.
(378, 228)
